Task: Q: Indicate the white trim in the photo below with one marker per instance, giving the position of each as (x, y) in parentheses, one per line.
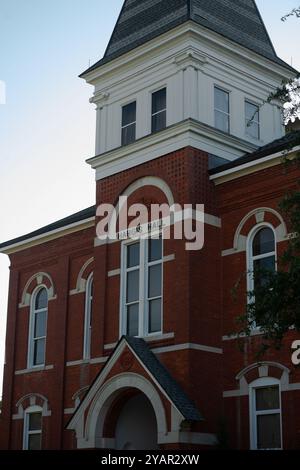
(181, 347)
(30, 370)
(148, 339)
(94, 360)
(187, 133)
(114, 272)
(48, 236)
(251, 167)
(81, 281)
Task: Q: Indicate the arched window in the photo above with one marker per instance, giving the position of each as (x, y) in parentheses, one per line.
(88, 317)
(265, 414)
(261, 255)
(32, 436)
(38, 328)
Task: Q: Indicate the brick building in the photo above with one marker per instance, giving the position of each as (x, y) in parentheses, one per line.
(126, 344)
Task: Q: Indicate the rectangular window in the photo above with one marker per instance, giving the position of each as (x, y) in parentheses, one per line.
(142, 287)
(267, 417)
(129, 123)
(33, 431)
(159, 110)
(222, 110)
(252, 120)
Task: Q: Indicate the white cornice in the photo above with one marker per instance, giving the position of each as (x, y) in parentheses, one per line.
(252, 167)
(184, 134)
(194, 30)
(48, 236)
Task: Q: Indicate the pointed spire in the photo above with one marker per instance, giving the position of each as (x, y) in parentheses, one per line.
(143, 20)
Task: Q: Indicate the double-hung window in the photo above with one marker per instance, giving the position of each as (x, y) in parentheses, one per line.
(262, 256)
(222, 110)
(252, 120)
(141, 297)
(33, 429)
(129, 123)
(265, 418)
(38, 328)
(88, 318)
(159, 110)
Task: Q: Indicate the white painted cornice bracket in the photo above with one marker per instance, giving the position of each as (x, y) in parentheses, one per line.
(190, 58)
(100, 98)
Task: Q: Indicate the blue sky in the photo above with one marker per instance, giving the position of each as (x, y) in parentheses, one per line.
(47, 125)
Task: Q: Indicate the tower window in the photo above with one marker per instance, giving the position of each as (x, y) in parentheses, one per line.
(222, 110)
(159, 110)
(129, 123)
(252, 120)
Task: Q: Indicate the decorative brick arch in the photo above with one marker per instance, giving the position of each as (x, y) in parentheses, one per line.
(83, 276)
(78, 396)
(158, 183)
(29, 400)
(102, 402)
(260, 370)
(257, 216)
(37, 280)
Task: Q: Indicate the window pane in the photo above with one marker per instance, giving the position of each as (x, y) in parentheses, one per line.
(35, 421)
(39, 352)
(154, 281)
(251, 112)
(133, 255)
(41, 299)
(264, 242)
(154, 249)
(129, 114)
(133, 320)
(34, 442)
(221, 100)
(222, 121)
(268, 432)
(128, 134)
(159, 100)
(132, 286)
(264, 264)
(159, 121)
(40, 324)
(267, 398)
(252, 129)
(155, 316)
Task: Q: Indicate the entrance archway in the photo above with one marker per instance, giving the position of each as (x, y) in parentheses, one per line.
(136, 427)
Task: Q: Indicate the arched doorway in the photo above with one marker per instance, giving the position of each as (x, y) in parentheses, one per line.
(136, 427)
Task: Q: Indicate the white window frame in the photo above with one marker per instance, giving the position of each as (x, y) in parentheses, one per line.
(87, 335)
(254, 120)
(251, 258)
(261, 383)
(221, 110)
(163, 87)
(131, 123)
(31, 338)
(143, 287)
(26, 432)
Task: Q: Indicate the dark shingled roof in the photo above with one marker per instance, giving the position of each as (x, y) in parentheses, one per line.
(143, 20)
(71, 219)
(288, 142)
(186, 407)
